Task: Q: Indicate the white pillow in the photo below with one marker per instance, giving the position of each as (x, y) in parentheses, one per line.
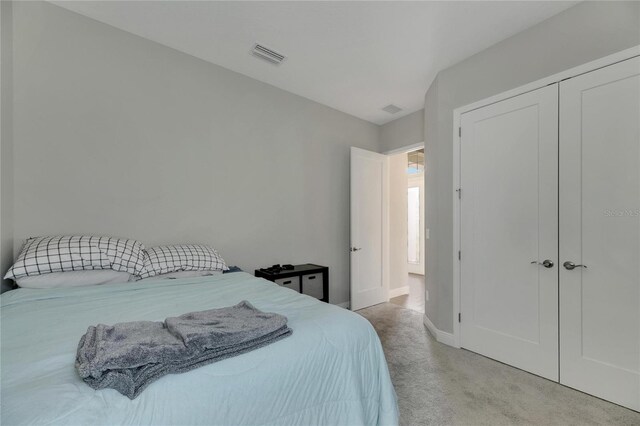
(73, 279)
(183, 274)
(185, 257)
(43, 255)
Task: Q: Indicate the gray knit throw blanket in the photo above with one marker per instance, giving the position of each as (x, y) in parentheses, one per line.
(129, 356)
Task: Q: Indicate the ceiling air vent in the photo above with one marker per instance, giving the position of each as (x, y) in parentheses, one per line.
(392, 109)
(267, 54)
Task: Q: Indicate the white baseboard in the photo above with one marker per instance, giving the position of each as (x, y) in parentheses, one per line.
(400, 291)
(432, 328)
(440, 336)
(344, 305)
(446, 338)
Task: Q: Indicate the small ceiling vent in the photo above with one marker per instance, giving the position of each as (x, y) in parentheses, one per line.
(392, 109)
(267, 54)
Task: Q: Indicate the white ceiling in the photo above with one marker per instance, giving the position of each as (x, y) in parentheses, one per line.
(356, 57)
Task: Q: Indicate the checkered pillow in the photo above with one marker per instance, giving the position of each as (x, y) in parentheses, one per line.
(44, 255)
(187, 257)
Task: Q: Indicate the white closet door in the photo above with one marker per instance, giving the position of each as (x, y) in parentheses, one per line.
(600, 228)
(509, 219)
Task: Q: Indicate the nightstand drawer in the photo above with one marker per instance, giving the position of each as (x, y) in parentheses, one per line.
(308, 278)
(313, 285)
(292, 282)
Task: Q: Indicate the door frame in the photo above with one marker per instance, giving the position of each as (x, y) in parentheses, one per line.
(555, 78)
(407, 149)
(418, 179)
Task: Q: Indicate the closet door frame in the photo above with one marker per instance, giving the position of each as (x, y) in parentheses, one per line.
(454, 338)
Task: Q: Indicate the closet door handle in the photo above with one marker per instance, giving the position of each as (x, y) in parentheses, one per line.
(546, 263)
(571, 266)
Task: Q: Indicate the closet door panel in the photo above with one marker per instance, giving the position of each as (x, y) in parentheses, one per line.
(509, 218)
(600, 228)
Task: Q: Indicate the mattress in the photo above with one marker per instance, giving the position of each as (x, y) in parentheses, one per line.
(332, 369)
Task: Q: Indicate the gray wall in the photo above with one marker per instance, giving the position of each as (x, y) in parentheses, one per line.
(432, 200)
(578, 35)
(6, 140)
(405, 131)
(115, 134)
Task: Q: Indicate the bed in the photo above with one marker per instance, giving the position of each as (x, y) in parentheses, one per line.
(330, 371)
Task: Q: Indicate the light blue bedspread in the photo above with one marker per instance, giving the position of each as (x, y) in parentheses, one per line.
(330, 371)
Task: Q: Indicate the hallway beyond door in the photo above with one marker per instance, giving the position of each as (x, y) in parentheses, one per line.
(415, 299)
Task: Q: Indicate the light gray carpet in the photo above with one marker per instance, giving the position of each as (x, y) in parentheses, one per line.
(440, 385)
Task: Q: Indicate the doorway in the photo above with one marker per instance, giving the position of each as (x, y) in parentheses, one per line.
(415, 212)
(407, 233)
(387, 228)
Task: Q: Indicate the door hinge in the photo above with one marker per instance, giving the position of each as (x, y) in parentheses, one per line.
(459, 191)
(460, 131)
(459, 317)
(459, 255)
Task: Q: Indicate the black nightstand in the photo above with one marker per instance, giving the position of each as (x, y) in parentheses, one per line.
(309, 279)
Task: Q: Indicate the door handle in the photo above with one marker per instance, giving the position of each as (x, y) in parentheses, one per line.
(571, 266)
(355, 248)
(546, 263)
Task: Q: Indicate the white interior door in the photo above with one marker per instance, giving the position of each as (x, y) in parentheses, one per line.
(369, 228)
(509, 219)
(415, 224)
(600, 229)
